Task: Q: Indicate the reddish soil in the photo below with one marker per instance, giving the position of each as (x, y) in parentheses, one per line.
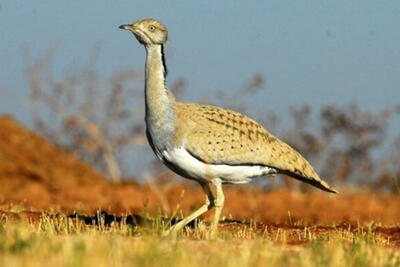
(42, 176)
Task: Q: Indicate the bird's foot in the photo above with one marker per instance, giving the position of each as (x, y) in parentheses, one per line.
(171, 232)
(213, 232)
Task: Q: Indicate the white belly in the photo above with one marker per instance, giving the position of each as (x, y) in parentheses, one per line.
(199, 170)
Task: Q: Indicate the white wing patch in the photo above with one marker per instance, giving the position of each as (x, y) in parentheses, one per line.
(199, 170)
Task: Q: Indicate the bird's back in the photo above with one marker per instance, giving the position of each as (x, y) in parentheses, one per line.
(221, 136)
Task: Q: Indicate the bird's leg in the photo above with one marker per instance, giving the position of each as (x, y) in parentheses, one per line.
(219, 204)
(207, 206)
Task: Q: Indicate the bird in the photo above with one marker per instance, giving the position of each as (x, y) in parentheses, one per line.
(208, 144)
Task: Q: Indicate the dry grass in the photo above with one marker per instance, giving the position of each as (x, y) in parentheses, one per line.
(60, 241)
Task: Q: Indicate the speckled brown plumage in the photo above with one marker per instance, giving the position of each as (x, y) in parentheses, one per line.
(221, 136)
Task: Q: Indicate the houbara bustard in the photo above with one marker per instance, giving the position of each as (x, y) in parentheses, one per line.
(208, 144)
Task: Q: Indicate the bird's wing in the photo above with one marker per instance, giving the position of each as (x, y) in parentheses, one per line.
(220, 136)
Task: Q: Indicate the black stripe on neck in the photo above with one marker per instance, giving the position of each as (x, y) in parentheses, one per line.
(163, 61)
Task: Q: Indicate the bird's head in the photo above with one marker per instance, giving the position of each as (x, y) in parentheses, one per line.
(147, 31)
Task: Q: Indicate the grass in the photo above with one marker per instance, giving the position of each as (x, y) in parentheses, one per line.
(60, 241)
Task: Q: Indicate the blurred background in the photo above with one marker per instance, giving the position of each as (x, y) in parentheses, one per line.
(323, 76)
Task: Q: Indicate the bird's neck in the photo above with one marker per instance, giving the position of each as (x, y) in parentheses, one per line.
(155, 70)
(159, 101)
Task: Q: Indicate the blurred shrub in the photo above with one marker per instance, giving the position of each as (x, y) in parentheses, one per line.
(347, 144)
(93, 119)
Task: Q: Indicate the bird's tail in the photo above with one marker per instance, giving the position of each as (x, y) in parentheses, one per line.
(314, 180)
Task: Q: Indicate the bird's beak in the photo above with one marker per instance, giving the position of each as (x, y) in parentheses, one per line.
(126, 27)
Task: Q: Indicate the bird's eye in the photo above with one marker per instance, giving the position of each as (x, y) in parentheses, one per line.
(152, 28)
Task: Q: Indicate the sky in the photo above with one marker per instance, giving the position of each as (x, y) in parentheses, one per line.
(312, 51)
